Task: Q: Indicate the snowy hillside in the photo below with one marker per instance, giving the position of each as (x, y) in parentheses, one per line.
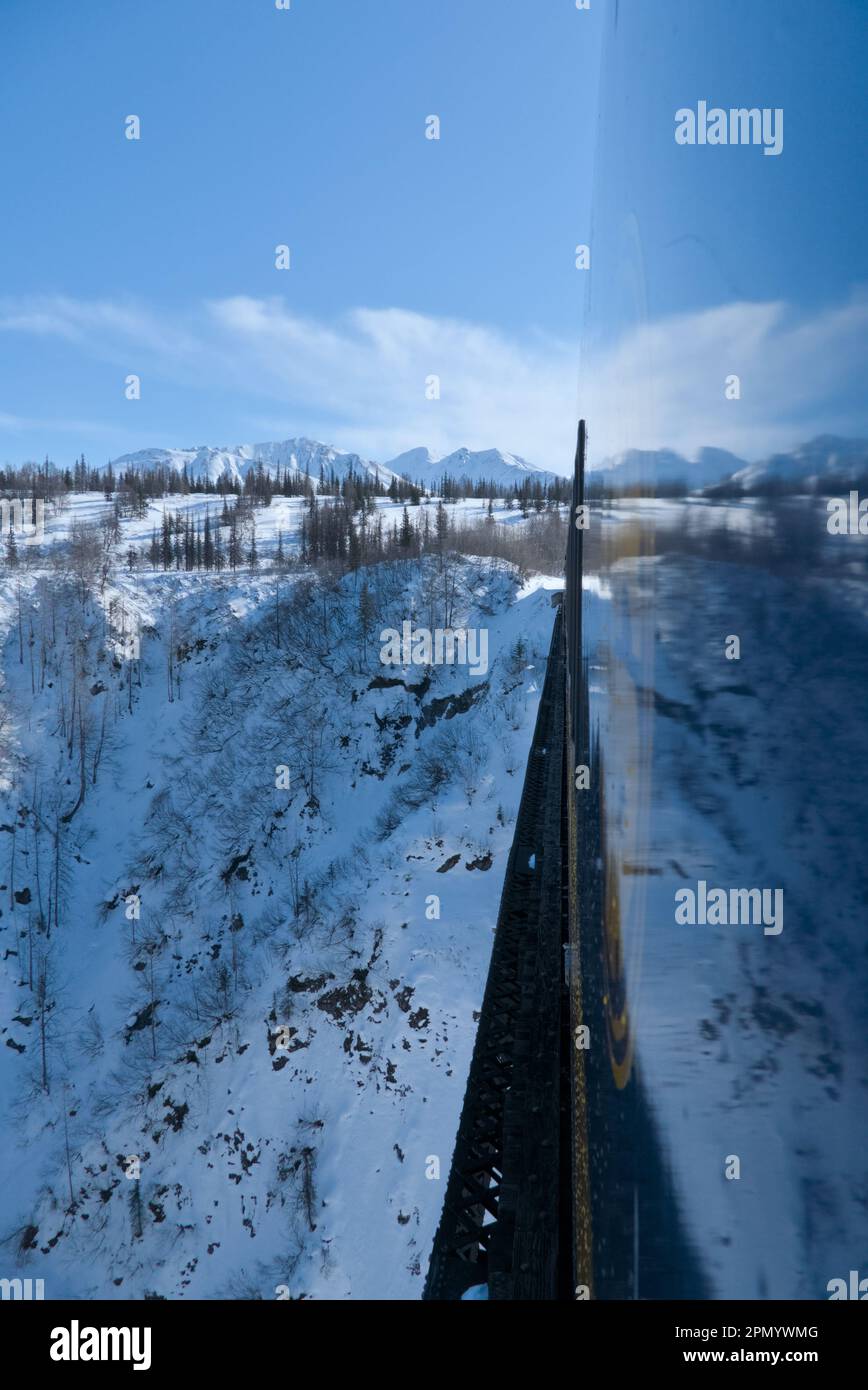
(249, 882)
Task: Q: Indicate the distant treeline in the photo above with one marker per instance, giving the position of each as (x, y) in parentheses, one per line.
(134, 489)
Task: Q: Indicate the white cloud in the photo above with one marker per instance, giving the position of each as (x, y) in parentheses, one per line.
(107, 328)
(359, 381)
(24, 424)
(663, 385)
(368, 373)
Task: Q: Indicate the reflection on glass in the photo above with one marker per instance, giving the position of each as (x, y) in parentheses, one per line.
(724, 636)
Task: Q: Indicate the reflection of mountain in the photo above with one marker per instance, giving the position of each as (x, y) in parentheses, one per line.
(827, 463)
(646, 467)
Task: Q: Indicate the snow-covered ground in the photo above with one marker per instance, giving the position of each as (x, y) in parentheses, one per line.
(283, 517)
(257, 1001)
(261, 998)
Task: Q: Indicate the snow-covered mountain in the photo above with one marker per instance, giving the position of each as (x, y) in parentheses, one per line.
(489, 465)
(415, 463)
(309, 456)
(295, 455)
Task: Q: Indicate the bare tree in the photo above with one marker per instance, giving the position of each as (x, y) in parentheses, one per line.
(44, 1003)
(85, 556)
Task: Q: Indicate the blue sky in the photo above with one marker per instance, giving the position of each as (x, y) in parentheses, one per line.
(711, 261)
(262, 127)
(413, 257)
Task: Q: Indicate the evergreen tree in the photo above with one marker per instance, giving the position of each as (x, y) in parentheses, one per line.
(166, 543)
(234, 552)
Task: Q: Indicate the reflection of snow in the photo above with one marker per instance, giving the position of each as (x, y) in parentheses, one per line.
(597, 585)
(537, 582)
(749, 1046)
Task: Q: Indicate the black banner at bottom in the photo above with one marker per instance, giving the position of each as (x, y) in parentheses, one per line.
(155, 1337)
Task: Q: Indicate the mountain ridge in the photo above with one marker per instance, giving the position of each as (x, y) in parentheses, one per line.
(825, 457)
(302, 455)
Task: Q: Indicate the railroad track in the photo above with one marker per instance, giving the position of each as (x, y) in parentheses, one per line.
(503, 1216)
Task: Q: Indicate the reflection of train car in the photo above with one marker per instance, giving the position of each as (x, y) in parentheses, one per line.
(725, 336)
(620, 1181)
